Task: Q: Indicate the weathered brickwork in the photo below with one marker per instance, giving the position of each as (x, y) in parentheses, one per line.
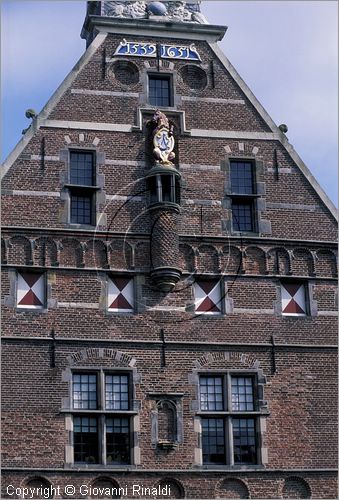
(162, 342)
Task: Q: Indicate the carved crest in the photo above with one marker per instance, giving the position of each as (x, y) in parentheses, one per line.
(163, 140)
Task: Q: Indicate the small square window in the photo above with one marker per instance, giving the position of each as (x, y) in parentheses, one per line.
(293, 299)
(121, 294)
(31, 290)
(116, 392)
(207, 295)
(85, 391)
(242, 394)
(160, 90)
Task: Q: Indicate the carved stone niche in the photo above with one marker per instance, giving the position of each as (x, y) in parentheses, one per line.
(166, 420)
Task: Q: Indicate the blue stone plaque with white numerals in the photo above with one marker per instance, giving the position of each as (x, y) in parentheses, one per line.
(189, 53)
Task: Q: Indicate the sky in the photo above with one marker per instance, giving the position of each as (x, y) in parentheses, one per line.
(286, 51)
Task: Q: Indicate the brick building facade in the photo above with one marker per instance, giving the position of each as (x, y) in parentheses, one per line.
(168, 280)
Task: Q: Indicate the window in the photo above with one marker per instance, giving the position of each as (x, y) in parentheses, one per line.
(120, 294)
(101, 417)
(164, 188)
(160, 90)
(243, 195)
(82, 187)
(293, 299)
(30, 290)
(207, 295)
(242, 215)
(229, 420)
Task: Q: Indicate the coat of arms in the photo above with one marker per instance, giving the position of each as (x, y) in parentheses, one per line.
(163, 140)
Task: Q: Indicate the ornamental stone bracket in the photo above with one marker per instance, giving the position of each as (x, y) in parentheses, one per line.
(148, 112)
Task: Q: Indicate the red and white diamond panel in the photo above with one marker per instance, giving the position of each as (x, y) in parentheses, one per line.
(30, 290)
(207, 297)
(293, 299)
(120, 294)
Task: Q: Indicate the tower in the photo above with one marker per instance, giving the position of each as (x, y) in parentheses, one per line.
(168, 314)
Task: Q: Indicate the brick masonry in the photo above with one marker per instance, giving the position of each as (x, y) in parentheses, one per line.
(295, 356)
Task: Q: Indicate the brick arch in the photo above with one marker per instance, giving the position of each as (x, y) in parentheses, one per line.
(20, 251)
(207, 259)
(231, 260)
(279, 261)
(222, 357)
(72, 253)
(73, 139)
(96, 254)
(186, 257)
(296, 487)
(176, 488)
(325, 263)
(255, 260)
(37, 482)
(45, 252)
(100, 354)
(303, 262)
(120, 255)
(232, 488)
(106, 482)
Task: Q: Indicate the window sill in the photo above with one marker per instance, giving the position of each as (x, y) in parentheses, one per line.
(99, 467)
(82, 187)
(119, 313)
(43, 310)
(247, 196)
(97, 412)
(75, 225)
(236, 414)
(245, 233)
(295, 316)
(231, 468)
(205, 316)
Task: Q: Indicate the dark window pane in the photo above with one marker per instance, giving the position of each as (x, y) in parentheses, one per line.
(117, 441)
(211, 394)
(167, 188)
(242, 394)
(213, 441)
(152, 186)
(159, 91)
(84, 391)
(241, 177)
(81, 209)
(116, 392)
(242, 215)
(82, 168)
(244, 440)
(85, 439)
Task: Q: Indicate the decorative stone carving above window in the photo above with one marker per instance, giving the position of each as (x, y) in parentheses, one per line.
(166, 420)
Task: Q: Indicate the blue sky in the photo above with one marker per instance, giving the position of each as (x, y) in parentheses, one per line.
(286, 51)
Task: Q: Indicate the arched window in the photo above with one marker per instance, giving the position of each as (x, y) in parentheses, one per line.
(39, 488)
